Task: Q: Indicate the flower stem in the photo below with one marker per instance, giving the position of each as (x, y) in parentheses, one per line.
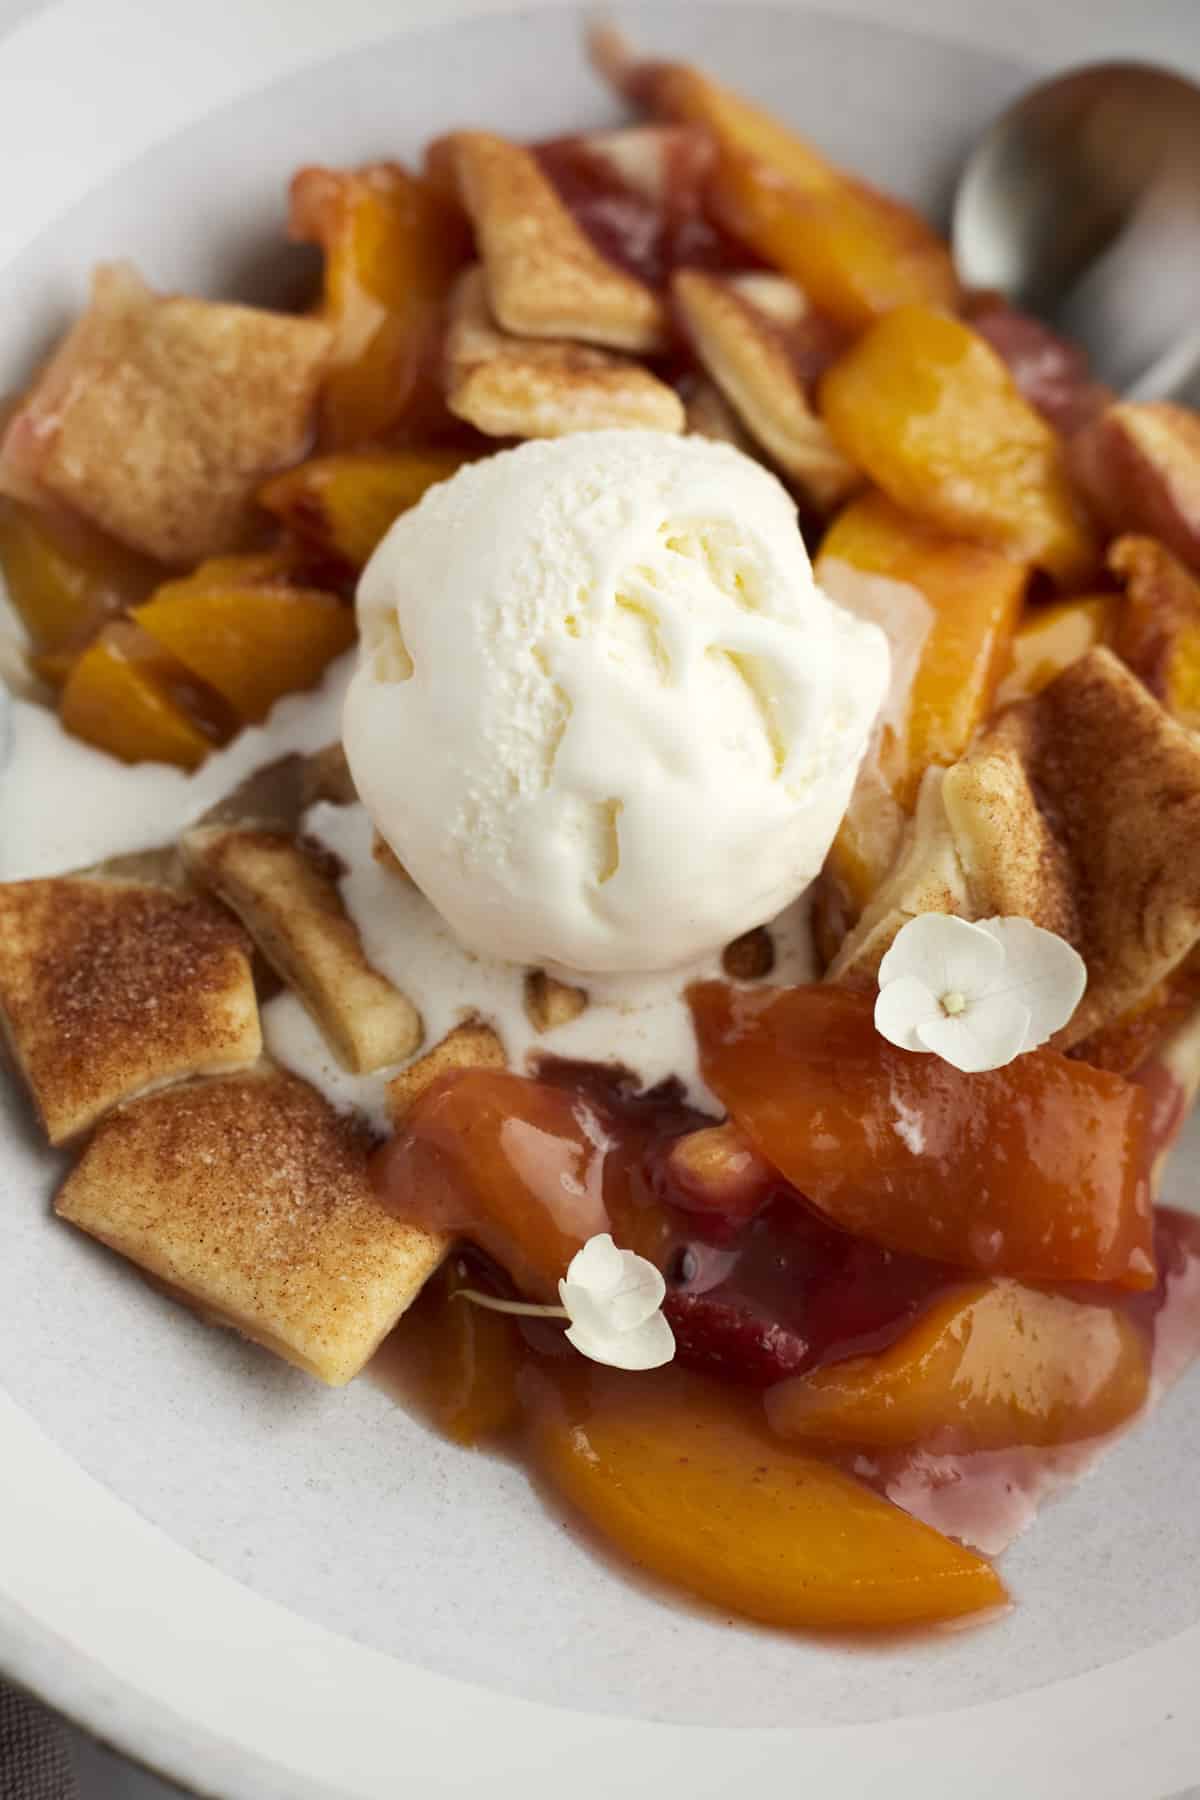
(525, 1307)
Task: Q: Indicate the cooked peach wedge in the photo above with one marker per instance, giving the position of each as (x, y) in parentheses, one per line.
(925, 406)
(343, 504)
(251, 637)
(1138, 465)
(950, 609)
(688, 1487)
(392, 245)
(66, 579)
(1158, 624)
(464, 1360)
(1034, 1170)
(856, 253)
(118, 696)
(509, 1162)
(973, 596)
(1050, 638)
(526, 1169)
(990, 1365)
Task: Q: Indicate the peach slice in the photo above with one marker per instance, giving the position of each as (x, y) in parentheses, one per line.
(751, 333)
(686, 1486)
(988, 1366)
(251, 644)
(856, 253)
(974, 597)
(926, 407)
(117, 697)
(344, 504)
(515, 1165)
(950, 618)
(65, 579)
(392, 245)
(1139, 467)
(1035, 1170)
(1050, 638)
(1158, 625)
(464, 1358)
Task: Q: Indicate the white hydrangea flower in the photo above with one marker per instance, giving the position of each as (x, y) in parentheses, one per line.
(612, 1300)
(976, 995)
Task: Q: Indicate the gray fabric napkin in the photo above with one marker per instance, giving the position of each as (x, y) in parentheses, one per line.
(34, 1760)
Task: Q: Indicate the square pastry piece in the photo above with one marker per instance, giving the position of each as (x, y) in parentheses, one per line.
(159, 415)
(293, 910)
(109, 988)
(251, 1198)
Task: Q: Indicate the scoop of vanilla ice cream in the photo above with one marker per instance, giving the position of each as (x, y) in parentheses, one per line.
(602, 712)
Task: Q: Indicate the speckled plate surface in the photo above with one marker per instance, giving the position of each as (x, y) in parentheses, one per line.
(265, 1588)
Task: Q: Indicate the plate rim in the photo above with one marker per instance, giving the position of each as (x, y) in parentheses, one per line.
(209, 1697)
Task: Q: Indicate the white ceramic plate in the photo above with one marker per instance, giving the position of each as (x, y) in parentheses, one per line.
(267, 1589)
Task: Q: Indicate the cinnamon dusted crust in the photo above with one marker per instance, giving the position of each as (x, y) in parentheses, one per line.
(251, 1197)
(545, 277)
(739, 327)
(159, 416)
(1118, 782)
(509, 386)
(1080, 810)
(290, 903)
(109, 988)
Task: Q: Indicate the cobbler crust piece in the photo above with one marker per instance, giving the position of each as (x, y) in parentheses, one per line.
(251, 1197)
(290, 904)
(550, 1002)
(110, 988)
(522, 387)
(545, 278)
(1079, 810)
(738, 326)
(159, 415)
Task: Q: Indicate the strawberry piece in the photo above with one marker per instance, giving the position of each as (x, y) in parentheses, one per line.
(720, 1337)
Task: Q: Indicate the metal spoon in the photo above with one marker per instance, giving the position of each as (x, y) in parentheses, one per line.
(1082, 203)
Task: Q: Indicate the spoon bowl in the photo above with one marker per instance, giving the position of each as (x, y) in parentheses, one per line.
(1082, 203)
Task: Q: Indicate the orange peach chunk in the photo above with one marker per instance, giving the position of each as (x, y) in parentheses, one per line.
(465, 1360)
(392, 245)
(856, 253)
(926, 407)
(951, 618)
(1050, 638)
(1035, 1170)
(344, 504)
(65, 579)
(1158, 624)
(512, 1164)
(116, 699)
(988, 1366)
(973, 596)
(685, 1485)
(251, 644)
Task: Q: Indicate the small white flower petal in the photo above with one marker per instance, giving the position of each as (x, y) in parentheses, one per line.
(987, 1035)
(648, 1346)
(632, 1288)
(946, 954)
(598, 1266)
(1046, 974)
(902, 1005)
(584, 1308)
